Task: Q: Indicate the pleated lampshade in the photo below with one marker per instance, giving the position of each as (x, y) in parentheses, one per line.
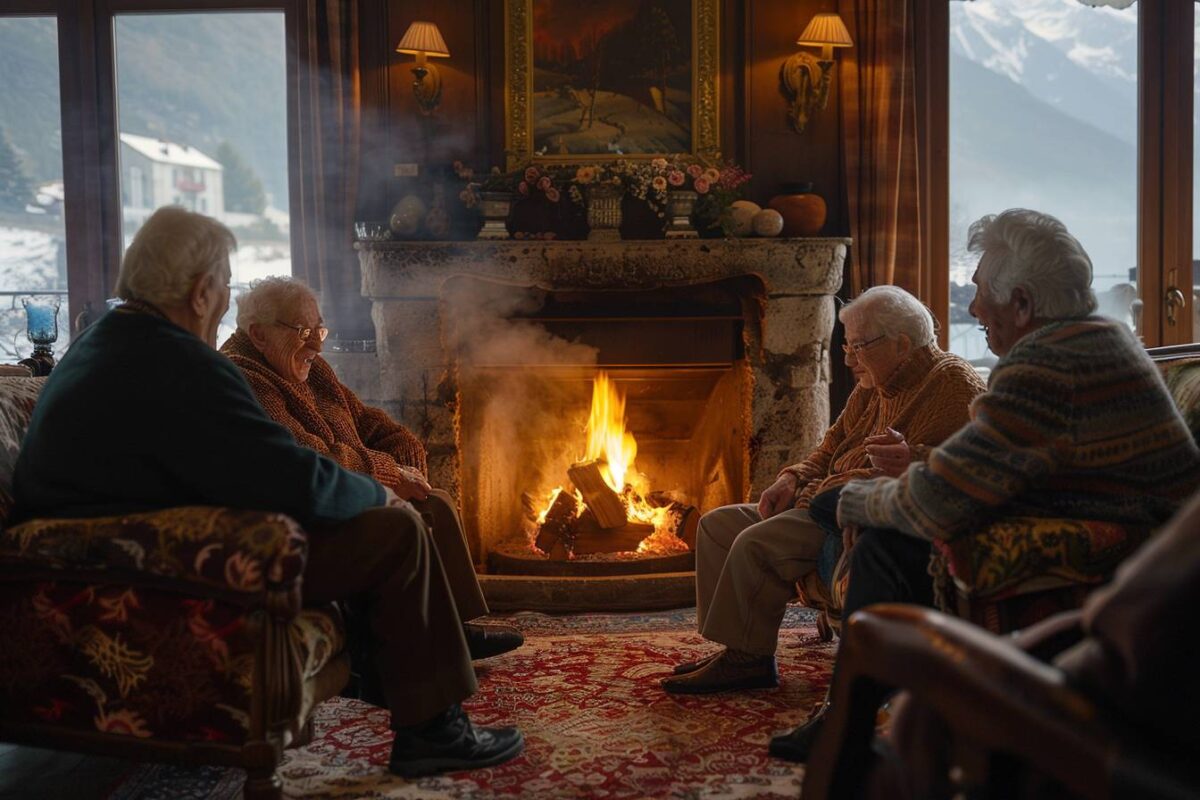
(424, 37)
(826, 30)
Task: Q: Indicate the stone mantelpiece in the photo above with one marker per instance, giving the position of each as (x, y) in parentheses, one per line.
(788, 354)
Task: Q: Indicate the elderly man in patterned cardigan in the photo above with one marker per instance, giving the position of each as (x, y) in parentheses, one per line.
(1076, 423)
(144, 414)
(277, 346)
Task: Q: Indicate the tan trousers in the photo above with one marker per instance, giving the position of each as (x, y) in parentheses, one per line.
(746, 572)
(441, 515)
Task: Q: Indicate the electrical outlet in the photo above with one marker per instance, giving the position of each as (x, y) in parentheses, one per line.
(405, 170)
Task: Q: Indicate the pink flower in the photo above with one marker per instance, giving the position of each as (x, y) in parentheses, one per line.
(701, 185)
(712, 175)
(694, 170)
(659, 183)
(676, 178)
(552, 194)
(531, 174)
(544, 183)
(523, 187)
(659, 163)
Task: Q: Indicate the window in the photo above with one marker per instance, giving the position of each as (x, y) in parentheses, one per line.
(33, 257)
(1043, 115)
(205, 97)
(1084, 109)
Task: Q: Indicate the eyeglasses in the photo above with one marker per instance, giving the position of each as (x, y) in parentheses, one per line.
(858, 347)
(307, 333)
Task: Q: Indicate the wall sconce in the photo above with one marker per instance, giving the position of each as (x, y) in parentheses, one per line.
(423, 39)
(803, 78)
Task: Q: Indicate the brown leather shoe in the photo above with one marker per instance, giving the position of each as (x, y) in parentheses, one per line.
(692, 666)
(485, 641)
(722, 675)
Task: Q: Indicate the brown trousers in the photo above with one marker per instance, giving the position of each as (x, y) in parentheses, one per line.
(388, 561)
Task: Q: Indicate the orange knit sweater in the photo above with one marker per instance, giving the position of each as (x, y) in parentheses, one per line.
(927, 398)
(325, 415)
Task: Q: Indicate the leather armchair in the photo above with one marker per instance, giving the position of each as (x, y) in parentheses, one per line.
(1015, 727)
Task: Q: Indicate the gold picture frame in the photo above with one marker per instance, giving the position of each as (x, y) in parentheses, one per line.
(521, 101)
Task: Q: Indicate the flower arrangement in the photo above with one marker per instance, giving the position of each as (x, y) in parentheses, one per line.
(717, 187)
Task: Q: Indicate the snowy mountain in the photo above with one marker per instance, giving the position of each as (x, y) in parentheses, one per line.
(1044, 115)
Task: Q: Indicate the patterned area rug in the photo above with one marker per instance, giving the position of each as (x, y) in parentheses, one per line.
(584, 689)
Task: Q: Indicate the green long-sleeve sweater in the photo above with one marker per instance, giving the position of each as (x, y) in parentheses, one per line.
(141, 415)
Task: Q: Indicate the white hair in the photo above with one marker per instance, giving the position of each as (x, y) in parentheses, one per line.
(1034, 251)
(171, 250)
(269, 298)
(892, 312)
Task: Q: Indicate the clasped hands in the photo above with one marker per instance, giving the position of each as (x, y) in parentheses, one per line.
(412, 486)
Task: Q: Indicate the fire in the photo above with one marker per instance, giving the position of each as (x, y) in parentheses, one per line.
(610, 443)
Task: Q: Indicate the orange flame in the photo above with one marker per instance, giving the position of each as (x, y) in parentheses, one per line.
(608, 440)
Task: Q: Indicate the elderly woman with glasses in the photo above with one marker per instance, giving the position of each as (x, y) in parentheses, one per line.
(277, 345)
(910, 396)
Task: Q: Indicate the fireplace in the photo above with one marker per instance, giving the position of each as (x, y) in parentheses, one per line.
(493, 353)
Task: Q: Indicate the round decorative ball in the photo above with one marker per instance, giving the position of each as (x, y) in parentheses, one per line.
(768, 222)
(407, 216)
(743, 212)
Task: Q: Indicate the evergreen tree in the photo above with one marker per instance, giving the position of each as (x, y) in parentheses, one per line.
(243, 189)
(15, 191)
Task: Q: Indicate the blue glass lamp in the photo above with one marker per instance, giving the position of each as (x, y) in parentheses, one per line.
(41, 327)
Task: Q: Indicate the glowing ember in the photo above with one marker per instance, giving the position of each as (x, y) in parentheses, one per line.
(616, 449)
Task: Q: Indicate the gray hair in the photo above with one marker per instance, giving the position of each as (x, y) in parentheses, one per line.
(267, 298)
(1034, 251)
(892, 312)
(171, 250)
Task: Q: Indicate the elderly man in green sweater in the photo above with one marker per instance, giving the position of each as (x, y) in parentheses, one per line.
(143, 413)
(1076, 423)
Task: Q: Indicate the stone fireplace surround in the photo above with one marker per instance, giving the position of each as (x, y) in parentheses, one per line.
(413, 376)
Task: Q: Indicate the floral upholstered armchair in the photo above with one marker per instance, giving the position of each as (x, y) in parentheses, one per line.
(172, 635)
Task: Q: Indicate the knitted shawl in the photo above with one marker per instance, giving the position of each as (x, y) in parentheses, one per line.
(325, 415)
(927, 398)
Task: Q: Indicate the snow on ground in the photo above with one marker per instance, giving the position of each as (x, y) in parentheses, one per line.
(620, 125)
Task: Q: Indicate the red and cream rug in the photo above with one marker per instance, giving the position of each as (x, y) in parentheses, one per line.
(585, 691)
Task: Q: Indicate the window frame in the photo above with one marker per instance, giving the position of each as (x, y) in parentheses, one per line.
(90, 143)
(1166, 86)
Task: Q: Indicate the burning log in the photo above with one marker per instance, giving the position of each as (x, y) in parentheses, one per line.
(602, 500)
(556, 536)
(592, 538)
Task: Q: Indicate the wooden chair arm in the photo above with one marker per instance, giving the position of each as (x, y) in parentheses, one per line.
(981, 686)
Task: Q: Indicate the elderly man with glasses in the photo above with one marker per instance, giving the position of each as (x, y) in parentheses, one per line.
(909, 398)
(277, 345)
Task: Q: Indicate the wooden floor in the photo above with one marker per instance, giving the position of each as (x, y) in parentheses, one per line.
(27, 773)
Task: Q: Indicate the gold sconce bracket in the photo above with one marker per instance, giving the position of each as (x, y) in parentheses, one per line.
(427, 87)
(804, 80)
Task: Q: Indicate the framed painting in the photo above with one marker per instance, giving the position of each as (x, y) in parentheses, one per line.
(597, 80)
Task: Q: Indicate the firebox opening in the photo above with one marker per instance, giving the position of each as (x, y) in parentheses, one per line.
(675, 356)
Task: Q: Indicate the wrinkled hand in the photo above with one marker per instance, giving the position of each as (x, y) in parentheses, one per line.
(849, 535)
(889, 453)
(777, 497)
(412, 485)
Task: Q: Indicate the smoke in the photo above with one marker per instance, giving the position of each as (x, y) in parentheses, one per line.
(523, 399)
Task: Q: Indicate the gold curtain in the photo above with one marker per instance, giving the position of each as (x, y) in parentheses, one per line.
(328, 136)
(883, 147)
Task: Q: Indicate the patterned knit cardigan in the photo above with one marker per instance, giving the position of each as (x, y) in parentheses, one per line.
(325, 415)
(1076, 424)
(927, 398)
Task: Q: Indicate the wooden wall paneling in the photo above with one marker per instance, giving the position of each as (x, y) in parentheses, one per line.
(376, 53)
(774, 153)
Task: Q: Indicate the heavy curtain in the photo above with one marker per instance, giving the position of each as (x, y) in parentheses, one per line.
(884, 105)
(329, 135)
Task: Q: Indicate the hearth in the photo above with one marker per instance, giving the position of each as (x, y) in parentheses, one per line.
(703, 367)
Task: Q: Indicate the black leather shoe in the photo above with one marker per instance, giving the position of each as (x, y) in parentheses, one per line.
(485, 641)
(796, 745)
(721, 675)
(451, 743)
(692, 666)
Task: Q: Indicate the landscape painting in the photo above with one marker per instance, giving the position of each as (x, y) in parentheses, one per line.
(606, 79)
